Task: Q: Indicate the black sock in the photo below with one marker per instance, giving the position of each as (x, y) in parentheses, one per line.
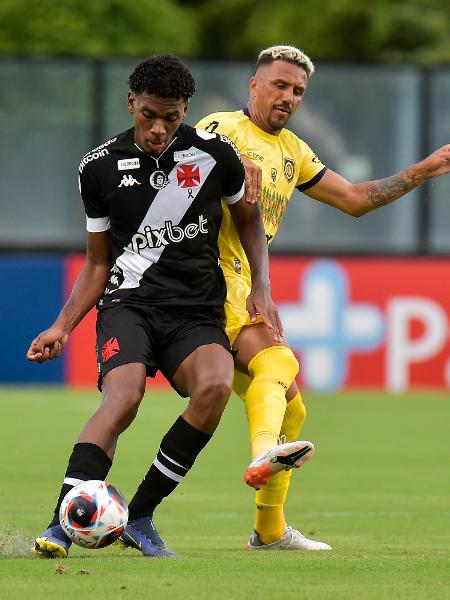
(177, 453)
(87, 461)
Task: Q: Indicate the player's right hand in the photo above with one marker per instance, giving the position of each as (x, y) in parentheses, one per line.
(260, 304)
(434, 165)
(47, 345)
(253, 178)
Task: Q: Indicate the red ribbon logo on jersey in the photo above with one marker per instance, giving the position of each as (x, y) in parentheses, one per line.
(188, 176)
(110, 348)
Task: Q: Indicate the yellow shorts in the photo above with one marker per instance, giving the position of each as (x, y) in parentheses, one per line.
(238, 289)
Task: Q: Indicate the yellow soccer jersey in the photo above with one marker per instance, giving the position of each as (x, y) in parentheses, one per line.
(286, 162)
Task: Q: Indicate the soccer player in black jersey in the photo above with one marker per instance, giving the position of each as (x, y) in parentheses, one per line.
(152, 197)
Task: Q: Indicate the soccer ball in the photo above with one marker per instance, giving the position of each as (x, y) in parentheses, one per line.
(93, 514)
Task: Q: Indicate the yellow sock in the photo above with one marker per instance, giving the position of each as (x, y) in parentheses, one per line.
(269, 521)
(272, 371)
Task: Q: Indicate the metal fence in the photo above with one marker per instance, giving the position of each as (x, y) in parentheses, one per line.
(364, 122)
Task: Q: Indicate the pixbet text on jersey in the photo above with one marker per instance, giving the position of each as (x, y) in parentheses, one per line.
(155, 238)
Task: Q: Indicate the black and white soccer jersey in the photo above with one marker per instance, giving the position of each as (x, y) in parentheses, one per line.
(164, 214)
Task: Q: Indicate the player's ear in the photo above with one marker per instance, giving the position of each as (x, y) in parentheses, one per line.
(130, 102)
(252, 86)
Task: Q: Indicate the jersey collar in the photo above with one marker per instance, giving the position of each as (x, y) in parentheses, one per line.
(268, 136)
(133, 148)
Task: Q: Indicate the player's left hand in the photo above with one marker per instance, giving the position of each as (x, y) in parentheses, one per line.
(436, 164)
(253, 178)
(260, 304)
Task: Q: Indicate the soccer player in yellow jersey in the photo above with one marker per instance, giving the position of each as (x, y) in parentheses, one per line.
(276, 162)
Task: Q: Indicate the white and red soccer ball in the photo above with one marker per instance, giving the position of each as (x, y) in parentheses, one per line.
(93, 514)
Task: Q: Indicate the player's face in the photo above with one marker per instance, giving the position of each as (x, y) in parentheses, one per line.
(276, 92)
(156, 120)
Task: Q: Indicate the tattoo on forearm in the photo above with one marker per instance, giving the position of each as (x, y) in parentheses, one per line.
(387, 190)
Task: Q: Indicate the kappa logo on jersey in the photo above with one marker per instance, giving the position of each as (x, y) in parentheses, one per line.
(155, 238)
(128, 163)
(289, 169)
(188, 176)
(110, 348)
(158, 180)
(115, 280)
(128, 180)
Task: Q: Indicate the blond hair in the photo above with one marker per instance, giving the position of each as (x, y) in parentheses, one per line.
(287, 53)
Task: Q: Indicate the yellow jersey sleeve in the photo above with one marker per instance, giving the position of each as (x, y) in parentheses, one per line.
(311, 168)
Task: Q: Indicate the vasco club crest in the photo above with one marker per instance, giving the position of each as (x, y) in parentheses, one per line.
(188, 176)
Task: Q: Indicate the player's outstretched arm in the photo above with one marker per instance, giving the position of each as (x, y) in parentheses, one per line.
(250, 228)
(87, 290)
(361, 198)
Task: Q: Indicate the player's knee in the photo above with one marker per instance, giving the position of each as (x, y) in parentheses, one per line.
(209, 400)
(276, 362)
(214, 392)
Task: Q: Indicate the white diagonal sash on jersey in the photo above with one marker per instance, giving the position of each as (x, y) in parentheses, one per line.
(170, 204)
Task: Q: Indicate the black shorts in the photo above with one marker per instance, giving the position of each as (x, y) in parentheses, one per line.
(159, 337)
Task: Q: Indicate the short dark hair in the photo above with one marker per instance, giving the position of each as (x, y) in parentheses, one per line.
(162, 75)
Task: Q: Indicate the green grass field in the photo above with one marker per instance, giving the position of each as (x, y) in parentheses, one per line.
(377, 490)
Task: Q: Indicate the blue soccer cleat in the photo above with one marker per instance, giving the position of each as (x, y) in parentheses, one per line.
(53, 543)
(141, 534)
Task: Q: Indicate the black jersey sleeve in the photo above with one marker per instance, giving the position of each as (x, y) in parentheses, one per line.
(97, 214)
(234, 173)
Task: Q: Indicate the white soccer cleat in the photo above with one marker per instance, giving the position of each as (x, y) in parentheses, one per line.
(291, 540)
(279, 458)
